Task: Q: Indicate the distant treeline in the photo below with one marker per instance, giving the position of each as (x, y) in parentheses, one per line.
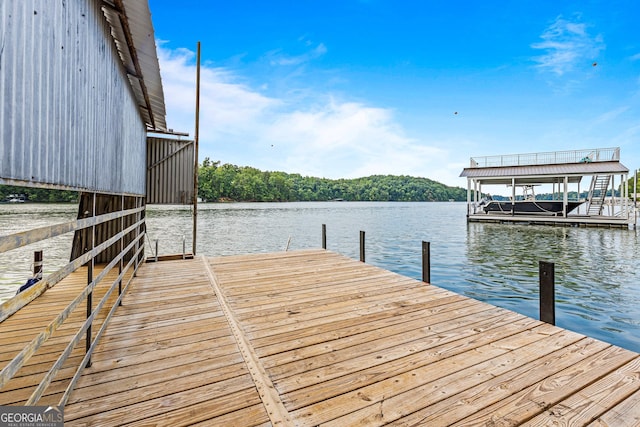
(244, 183)
(229, 182)
(29, 194)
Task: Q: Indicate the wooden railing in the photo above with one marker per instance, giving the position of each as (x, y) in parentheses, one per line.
(133, 250)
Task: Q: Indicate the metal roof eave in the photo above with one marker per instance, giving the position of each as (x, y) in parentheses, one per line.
(542, 174)
(133, 35)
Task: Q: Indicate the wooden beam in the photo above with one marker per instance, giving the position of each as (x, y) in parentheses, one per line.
(277, 411)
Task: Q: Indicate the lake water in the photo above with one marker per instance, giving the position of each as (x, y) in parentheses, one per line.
(597, 286)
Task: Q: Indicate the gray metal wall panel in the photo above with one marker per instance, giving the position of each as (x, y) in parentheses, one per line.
(170, 164)
(68, 116)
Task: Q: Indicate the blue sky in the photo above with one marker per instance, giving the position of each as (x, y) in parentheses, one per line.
(350, 88)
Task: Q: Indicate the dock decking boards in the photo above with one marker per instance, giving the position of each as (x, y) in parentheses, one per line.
(23, 326)
(313, 338)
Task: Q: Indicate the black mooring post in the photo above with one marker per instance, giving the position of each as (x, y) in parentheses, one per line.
(37, 264)
(426, 262)
(324, 236)
(361, 246)
(547, 292)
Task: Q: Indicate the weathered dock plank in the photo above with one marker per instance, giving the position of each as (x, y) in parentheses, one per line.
(312, 338)
(384, 355)
(168, 358)
(22, 327)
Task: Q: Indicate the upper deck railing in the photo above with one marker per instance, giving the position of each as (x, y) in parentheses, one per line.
(549, 158)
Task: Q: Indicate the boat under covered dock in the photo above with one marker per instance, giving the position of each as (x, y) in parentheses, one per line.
(604, 203)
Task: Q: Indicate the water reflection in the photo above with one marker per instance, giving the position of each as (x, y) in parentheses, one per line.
(597, 286)
(596, 281)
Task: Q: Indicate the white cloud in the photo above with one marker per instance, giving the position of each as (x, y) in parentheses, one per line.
(567, 44)
(322, 136)
(348, 140)
(276, 57)
(608, 116)
(226, 104)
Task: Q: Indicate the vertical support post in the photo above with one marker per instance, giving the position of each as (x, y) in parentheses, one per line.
(90, 267)
(476, 199)
(121, 263)
(324, 236)
(579, 198)
(361, 246)
(547, 292)
(565, 197)
(137, 233)
(635, 199)
(613, 195)
(184, 247)
(468, 197)
(426, 262)
(156, 250)
(513, 195)
(635, 187)
(195, 143)
(624, 183)
(37, 264)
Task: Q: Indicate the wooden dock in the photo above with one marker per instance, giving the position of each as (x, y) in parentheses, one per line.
(313, 338)
(583, 221)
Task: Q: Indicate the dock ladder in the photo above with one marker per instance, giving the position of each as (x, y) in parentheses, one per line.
(597, 193)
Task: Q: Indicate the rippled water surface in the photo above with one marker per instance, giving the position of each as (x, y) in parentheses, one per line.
(597, 286)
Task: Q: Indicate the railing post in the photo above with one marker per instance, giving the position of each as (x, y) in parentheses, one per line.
(156, 250)
(426, 262)
(136, 235)
(324, 236)
(121, 263)
(361, 246)
(547, 292)
(90, 266)
(37, 264)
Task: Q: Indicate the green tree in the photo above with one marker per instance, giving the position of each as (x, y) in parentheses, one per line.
(230, 182)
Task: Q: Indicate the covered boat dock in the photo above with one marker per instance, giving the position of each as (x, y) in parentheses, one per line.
(603, 202)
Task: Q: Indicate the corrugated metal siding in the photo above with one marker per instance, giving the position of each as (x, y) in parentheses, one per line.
(170, 164)
(68, 116)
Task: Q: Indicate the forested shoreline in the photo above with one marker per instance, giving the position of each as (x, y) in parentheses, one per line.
(229, 182)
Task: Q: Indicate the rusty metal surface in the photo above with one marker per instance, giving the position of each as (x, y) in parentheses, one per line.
(132, 31)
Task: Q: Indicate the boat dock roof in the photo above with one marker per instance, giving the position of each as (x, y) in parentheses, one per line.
(311, 337)
(544, 168)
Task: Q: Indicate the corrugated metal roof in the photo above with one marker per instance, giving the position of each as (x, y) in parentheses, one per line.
(543, 173)
(132, 31)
